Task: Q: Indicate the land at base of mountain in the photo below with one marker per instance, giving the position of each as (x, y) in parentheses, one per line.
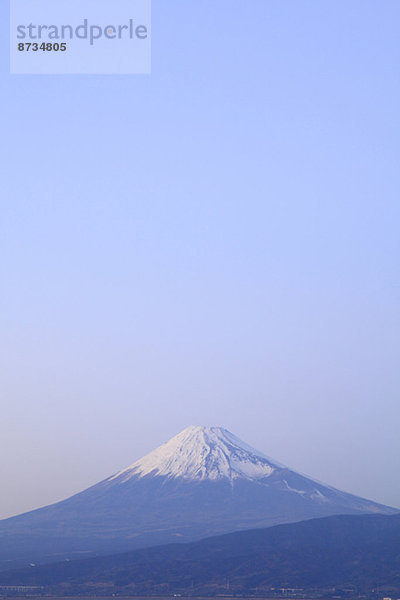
(344, 556)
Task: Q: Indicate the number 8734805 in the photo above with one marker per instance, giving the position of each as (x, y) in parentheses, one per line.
(45, 47)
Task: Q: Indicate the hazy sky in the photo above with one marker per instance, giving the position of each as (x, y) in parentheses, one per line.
(217, 244)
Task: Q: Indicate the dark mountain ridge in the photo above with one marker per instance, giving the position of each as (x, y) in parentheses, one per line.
(333, 553)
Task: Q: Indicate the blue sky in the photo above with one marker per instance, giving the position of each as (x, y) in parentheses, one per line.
(217, 244)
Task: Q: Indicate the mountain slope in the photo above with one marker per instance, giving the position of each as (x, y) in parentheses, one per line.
(360, 552)
(203, 482)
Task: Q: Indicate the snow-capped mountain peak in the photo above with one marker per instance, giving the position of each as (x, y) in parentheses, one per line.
(199, 453)
(204, 481)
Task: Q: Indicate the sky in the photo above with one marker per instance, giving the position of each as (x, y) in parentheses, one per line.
(216, 243)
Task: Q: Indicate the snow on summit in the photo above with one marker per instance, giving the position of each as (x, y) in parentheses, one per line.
(199, 453)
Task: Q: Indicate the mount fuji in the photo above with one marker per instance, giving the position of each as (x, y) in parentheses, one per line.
(203, 482)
